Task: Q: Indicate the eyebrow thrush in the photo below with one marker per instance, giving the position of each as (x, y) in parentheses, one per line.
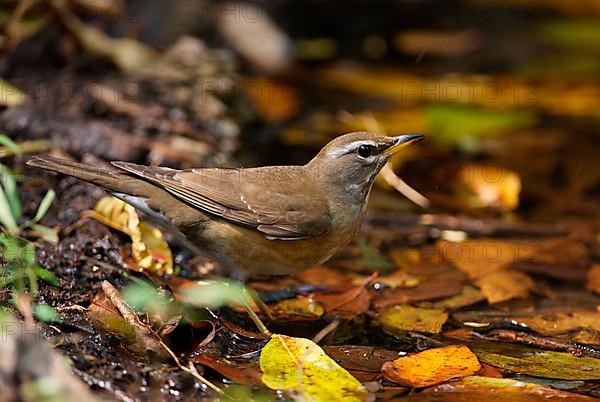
(273, 220)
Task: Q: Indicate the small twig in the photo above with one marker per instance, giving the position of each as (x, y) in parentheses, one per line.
(403, 188)
(329, 328)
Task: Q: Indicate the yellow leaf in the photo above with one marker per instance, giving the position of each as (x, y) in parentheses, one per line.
(301, 367)
(432, 366)
(397, 319)
(302, 306)
(149, 249)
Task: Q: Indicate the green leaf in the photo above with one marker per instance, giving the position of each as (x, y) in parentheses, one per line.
(46, 275)
(6, 215)
(10, 186)
(44, 205)
(46, 313)
(538, 363)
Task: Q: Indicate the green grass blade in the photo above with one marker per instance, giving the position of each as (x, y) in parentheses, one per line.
(7, 177)
(6, 216)
(12, 146)
(44, 206)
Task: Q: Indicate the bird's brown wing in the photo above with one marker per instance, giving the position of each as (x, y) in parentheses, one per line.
(259, 198)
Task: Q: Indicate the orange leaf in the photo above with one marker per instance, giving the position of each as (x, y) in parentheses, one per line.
(432, 366)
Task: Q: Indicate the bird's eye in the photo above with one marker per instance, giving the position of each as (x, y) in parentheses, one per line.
(364, 151)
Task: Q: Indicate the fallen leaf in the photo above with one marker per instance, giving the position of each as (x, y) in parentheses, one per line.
(349, 304)
(505, 285)
(302, 368)
(467, 297)
(477, 388)
(432, 366)
(240, 373)
(560, 322)
(398, 319)
(302, 306)
(361, 358)
(486, 262)
(538, 363)
(149, 249)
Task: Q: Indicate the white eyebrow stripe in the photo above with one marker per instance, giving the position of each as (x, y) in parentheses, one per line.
(350, 147)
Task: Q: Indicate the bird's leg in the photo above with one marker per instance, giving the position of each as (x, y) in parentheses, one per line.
(262, 306)
(253, 316)
(240, 276)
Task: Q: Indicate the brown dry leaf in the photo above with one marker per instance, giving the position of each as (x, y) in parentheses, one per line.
(505, 285)
(491, 186)
(482, 256)
(467, 297)
(432, 366)
(149, 249)
(346, 305)
(485, 261)
(112, 314)
(560, 322)
(398, 319)
(240, 373)
(593, 278)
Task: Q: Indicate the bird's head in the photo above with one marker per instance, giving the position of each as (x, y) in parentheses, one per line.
(353, 160)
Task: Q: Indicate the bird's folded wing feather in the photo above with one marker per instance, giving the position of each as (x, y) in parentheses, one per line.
(249, 197)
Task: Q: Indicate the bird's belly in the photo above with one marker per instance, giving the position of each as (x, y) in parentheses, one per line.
(251, 251)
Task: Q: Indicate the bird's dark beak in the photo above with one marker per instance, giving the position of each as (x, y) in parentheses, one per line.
(403, 141)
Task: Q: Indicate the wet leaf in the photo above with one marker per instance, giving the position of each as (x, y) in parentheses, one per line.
(398, 319)
(361, 358)
(477, 388)
(539, 363)
(301, 367)
(559, 322)
(432, 366)
(240, 373)
(302, 306)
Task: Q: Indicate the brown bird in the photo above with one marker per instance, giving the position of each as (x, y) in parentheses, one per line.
(272, 220)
